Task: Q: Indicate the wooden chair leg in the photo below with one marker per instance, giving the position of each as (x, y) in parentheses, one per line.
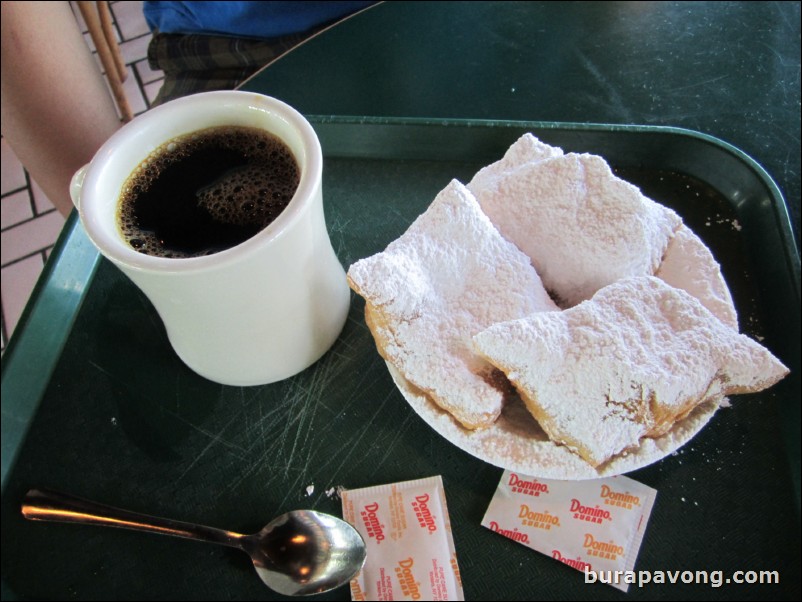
(111, 40)
(91, 15)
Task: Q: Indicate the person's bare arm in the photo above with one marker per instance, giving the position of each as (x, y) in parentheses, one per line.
(56, 108)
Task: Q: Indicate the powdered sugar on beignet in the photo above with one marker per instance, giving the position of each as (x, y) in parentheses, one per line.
(626, 364)
(527, 149)
(688, 264)
(449, 276)
(582, 227)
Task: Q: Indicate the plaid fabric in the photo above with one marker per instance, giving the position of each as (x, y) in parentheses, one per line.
(199, 63)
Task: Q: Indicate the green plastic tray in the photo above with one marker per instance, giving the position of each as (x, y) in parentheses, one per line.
(96, 403)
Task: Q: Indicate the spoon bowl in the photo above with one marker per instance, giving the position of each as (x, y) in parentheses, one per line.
(306, 552)
(299, 553)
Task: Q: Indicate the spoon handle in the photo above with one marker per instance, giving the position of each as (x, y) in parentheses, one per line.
(46, 505)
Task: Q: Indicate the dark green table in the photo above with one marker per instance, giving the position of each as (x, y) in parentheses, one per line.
(96, 403)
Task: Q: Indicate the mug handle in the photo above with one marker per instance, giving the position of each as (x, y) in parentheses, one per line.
(76, 184)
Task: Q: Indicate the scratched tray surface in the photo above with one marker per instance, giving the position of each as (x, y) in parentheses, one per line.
(123, 421)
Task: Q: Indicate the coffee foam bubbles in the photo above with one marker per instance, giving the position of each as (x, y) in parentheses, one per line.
(252, 194)
(258, 191)
(244, 195)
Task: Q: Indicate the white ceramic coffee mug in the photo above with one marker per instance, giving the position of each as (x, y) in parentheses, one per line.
(256, 313)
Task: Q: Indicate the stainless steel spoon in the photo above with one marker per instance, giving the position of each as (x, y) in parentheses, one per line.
(299, 553)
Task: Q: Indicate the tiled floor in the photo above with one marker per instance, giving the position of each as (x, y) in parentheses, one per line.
(30, 223)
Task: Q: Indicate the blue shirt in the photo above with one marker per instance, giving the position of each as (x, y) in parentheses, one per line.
(245, 19)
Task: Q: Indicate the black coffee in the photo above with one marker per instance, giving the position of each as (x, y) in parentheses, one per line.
(206, 192)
